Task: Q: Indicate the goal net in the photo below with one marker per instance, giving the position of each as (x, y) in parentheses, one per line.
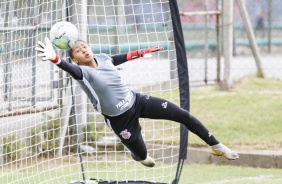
(49, 131)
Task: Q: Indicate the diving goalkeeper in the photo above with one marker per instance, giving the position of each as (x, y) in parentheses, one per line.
(122, 107)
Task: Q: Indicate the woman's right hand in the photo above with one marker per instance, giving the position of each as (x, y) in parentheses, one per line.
(46, 51)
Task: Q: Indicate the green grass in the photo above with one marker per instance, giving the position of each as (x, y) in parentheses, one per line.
(249, 115)
(63, 171)
(191, 174)
(209, 174)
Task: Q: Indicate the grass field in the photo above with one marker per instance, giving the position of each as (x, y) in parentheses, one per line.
(191, 174)
(247, 117)
(214, 174)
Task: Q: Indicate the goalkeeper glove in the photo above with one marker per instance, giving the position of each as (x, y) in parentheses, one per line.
(146, 53)
(46, 51)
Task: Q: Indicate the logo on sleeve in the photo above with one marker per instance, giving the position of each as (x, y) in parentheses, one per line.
(164, 104)
(125, 134)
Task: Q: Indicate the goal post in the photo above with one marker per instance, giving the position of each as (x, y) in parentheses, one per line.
(48, 132)
(183, 83)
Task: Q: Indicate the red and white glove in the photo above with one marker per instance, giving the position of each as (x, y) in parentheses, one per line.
(146, 53)
(46, 52)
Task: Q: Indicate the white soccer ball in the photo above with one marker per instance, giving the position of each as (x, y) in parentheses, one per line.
(63, 35)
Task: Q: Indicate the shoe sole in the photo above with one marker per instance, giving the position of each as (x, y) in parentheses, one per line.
(219, 155)
(149, 165)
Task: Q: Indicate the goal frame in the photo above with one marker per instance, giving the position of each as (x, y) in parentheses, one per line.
(181, 69)
(184, 91)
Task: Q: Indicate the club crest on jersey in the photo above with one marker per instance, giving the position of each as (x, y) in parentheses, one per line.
(125, 134)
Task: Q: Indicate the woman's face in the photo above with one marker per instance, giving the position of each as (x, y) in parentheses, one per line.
(82, 53)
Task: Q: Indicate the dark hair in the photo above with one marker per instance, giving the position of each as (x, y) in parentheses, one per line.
(70, 50)
(70, 53)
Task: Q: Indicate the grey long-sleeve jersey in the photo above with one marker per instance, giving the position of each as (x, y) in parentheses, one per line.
(103, 85)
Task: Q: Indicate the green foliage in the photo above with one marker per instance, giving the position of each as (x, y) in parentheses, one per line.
(11, 149)
(92, 132)
(43, 139)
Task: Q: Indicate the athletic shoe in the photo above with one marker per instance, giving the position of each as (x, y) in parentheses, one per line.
(149, 161)
(222, 150)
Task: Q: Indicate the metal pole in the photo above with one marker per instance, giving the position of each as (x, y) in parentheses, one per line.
(251, 37)
(227, 16)
(269, 30)
(7, 50)
(32, 42)
(80, 96)
(218, 40)
(206, 43)
(206, 13)
(75, 102)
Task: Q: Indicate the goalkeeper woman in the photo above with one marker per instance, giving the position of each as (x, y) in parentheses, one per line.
(122, 107)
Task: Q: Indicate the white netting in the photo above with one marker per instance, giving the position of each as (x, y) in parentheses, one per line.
(37, 128)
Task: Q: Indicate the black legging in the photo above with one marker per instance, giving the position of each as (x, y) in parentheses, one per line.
(138, 148)
(157, 108)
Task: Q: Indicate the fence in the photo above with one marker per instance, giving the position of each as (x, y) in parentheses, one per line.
(45, 117)
(26, 83)
(200, 33)
(265, 17)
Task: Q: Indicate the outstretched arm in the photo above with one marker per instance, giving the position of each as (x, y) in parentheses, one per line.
(46, 52)
(146, 53)
(74, 70)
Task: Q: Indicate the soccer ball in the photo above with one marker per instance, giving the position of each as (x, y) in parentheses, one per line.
(63, 35)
